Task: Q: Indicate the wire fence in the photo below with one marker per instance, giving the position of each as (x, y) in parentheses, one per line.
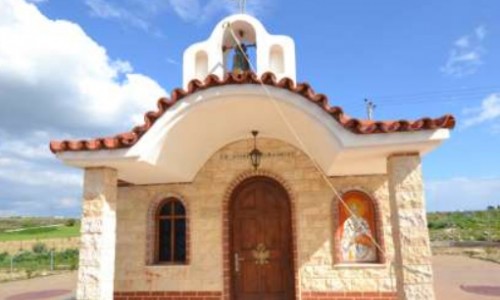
(39, 260)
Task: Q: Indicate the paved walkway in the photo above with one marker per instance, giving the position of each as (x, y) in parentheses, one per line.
(463, 278)
(456, 277)
(56, 287)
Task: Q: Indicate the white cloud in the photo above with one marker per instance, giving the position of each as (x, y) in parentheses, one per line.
(487, 112)
(140, 13)
(187, 10)
(69, 202)
(106, 10)
(214, 7)
(480, 32)
(33, 177)
(466, 55)
(54, 76)
(462, 194)
(25, 149)
(56, 82)
(172, 61)
(30, 168)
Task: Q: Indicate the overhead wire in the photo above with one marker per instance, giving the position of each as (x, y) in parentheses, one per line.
(304, 148)
(443, 100)
(478, 90)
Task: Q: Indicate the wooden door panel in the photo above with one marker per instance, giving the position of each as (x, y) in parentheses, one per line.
(272, 276)
(251, 235)
(262, 267)
(249, 278)
(273, 232)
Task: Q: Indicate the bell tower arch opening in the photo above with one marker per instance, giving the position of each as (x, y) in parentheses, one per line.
(239, 47)
(238, 44)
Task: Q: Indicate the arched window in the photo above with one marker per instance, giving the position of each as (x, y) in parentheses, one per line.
(356, 233)
(171, 245)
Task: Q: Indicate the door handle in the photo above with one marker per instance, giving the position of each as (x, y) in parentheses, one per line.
(237, 260)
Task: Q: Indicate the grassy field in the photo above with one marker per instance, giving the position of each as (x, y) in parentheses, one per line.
(41, 233)
(33, 228)
(465, 226)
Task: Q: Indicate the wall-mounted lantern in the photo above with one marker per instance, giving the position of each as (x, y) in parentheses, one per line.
(255, 154)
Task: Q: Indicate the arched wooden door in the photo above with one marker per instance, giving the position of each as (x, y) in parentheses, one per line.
(261, 241)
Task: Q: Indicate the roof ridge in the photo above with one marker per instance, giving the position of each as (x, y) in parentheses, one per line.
(357, 126)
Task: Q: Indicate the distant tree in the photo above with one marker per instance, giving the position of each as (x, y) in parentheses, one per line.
(27, 222)
(491, 207)
(70, 222)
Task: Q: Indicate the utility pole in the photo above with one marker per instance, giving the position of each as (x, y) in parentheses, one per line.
(370, 108)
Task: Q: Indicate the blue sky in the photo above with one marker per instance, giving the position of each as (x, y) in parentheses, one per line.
(92, 67)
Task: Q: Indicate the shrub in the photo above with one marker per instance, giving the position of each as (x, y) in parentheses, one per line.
(74, 265)
(28, 222)
(437, 224)
(30, 271)
(39, 248)
(3, 255)
(70, 222)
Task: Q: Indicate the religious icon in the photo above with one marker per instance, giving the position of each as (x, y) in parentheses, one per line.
(356, 229)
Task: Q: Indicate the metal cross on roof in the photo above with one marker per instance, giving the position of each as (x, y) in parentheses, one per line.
(242, 4)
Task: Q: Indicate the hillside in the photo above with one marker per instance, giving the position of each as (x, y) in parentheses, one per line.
(465, 226)
(30, 228)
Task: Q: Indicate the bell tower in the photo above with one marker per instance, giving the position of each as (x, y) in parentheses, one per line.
(228, 47)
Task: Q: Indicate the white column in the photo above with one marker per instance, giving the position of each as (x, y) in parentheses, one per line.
(98, 235)
(409, 226)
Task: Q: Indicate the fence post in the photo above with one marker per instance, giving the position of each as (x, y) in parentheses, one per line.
(11, 263)
(51, 260)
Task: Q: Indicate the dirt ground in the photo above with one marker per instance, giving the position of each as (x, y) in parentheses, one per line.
(456, 277)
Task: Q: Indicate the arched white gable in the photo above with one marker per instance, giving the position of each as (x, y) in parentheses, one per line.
(274, 53)
(189, 132)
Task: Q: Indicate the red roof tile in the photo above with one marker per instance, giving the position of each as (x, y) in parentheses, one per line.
(357, 126)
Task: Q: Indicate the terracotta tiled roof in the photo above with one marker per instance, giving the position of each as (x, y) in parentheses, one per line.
(357, 126)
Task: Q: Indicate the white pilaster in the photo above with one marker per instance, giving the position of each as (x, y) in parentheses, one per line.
(98, 235)
(409, 225)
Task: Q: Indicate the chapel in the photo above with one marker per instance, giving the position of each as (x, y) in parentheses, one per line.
(245, 184)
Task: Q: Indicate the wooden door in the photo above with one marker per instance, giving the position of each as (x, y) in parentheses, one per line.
(261, 242)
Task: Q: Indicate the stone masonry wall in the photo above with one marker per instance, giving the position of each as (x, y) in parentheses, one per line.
(204, 198)
(98, 235)
(411, 237)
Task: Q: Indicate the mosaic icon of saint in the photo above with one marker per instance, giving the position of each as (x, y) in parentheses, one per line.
(356, 244)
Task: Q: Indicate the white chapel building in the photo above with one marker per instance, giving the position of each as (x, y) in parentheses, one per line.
(245, 184)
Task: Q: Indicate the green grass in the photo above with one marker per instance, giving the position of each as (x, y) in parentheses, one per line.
(26, 222)
(31, 261)
(42, 233)
(465, 226)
